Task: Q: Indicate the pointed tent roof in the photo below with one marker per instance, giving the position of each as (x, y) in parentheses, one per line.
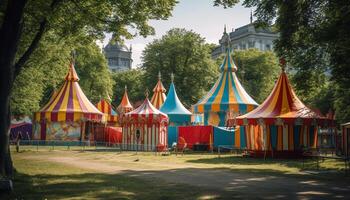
(148, 112)
(172, 104)
(69, 103)
(227, 93)
(125, 105)
(158, 97)
(106, 108)
(282, 103)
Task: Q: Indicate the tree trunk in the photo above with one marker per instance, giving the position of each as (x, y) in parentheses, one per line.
(10, 33)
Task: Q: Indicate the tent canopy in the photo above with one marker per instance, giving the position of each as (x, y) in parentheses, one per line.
(69, 103)
(146, 113)
(227, 93)
(106, 108)
(158, 97)
(125, 105)
(282, 103)
(172, 104)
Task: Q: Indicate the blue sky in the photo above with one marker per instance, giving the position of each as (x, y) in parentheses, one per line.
(197, 15)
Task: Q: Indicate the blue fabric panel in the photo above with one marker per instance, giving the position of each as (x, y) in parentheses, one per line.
(206, 116)
(172, 135)
(273, 131)
(297, 136)
(242, 108)
(222, 136)
(242, 137)
(179, 119)
(225, 97)
(222, 116)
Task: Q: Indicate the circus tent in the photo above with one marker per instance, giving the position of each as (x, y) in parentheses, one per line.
(145, 128)
(282, 123)
(106, 108)
(64, 116)
(226, 97)
(125, 105)
(158, 97)
(176, 111)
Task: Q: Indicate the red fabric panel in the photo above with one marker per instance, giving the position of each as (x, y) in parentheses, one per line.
(114, 135)
(195, 135)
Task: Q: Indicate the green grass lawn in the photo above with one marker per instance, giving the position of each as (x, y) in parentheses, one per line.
(40, 178)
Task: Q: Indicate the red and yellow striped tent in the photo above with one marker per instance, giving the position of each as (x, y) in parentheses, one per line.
(159, 96)
(106, 108)
(125, 105)
(69, 103)
(281, 124)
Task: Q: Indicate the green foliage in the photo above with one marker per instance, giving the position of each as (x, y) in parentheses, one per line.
(133, 79)
(257, 71)
(185, 54)
(95, 78)
(314, 38)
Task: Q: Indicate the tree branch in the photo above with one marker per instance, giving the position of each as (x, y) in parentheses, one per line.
(31, 48)
(35, 42)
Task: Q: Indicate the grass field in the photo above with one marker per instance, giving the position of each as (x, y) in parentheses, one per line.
(67, 174)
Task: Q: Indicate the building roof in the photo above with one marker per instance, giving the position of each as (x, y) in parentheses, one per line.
(116, 47)
(227, 93)
(69, 103)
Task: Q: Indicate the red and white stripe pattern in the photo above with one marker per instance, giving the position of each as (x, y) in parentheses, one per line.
(152, 125)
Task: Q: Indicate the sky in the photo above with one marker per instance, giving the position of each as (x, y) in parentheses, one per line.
(199, 16)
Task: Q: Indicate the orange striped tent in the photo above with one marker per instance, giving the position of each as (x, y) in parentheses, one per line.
(226, 97)
(159, 96)
(64, 116)
(282, 123)
(125, 105)
(106, 108)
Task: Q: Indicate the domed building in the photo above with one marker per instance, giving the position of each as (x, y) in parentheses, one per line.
(118, 56)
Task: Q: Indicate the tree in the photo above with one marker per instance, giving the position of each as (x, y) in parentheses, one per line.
(185, 54)
(95, 78)
(314, 38)
(23, 25)
(133, 79)
(257, 71)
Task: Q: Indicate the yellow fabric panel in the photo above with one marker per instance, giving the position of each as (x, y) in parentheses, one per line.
(234, 107)
(61, 116)
(285, 104)
(63, 106)
(231, 96)
(272, 105)
(237, 137)
(219, 95)
(77, 116)
(215, 107)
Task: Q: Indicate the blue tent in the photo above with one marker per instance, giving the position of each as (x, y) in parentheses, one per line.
(177, 113)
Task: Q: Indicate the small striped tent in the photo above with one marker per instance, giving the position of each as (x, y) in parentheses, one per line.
(145, 128)
(64, 116)
(225, 97)
(281, 124)
(125, 105)
(158, 97)
(106, 108)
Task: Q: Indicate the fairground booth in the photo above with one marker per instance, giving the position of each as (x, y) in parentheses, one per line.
(68, 115)
(158, 97)
(111, 132)
(176, 111)
(145, 128)
(226, 97)
(282, 126)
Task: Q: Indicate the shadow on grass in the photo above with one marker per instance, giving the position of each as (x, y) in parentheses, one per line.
(102, 186)
(189, 183)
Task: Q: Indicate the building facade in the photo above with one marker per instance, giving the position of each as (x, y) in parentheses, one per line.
(246, 37)
(118, 57)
